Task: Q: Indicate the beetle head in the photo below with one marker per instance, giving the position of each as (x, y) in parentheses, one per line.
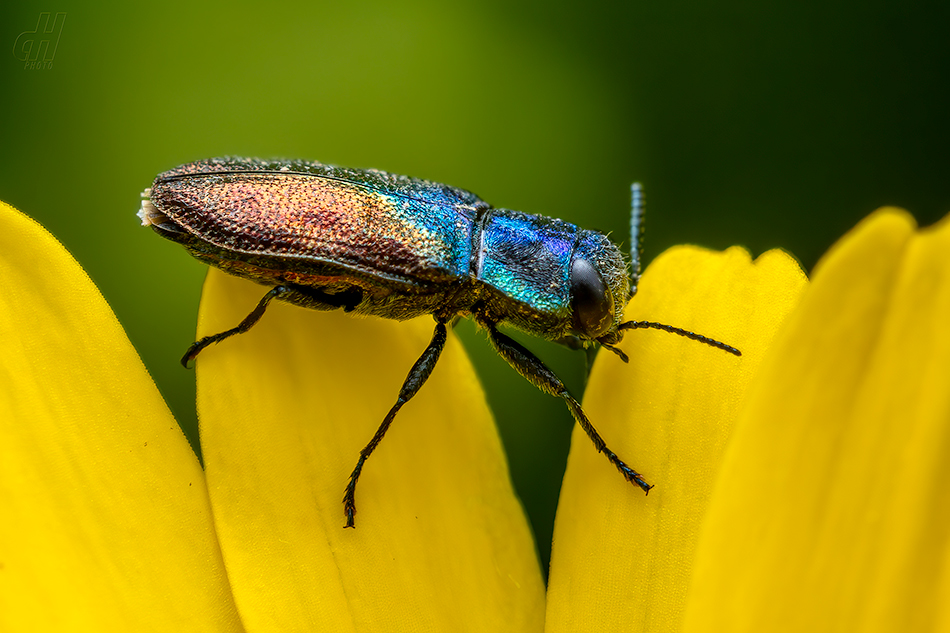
(600, 287)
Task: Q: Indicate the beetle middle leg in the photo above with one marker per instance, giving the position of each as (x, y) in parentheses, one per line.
(417, 377)
(539, 375)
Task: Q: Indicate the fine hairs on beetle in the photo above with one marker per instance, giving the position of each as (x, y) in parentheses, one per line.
(370, 242)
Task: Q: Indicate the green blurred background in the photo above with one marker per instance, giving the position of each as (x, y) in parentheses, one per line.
(767, 126)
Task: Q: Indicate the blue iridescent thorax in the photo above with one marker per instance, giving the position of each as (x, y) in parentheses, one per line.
(527, 260)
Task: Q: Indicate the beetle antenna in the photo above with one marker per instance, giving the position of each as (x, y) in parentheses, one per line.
(636, 234)
(644, 325)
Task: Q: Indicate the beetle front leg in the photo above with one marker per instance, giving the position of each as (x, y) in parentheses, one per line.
(538, 374)
(417, 377)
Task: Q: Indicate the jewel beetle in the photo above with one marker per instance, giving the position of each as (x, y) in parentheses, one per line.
(370, 242)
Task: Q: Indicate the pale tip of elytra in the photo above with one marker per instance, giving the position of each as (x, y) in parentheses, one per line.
(148, 214)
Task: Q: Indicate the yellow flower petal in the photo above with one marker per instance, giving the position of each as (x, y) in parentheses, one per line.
(833, 509)
(622, 561)
(440, 542)
(105, 517)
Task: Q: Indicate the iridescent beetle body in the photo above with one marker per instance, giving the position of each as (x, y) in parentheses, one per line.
(385, 245)
(369, 242)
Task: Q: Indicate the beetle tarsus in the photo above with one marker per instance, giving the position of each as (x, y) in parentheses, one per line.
(628, 473)
(349, 498)
(195, 348)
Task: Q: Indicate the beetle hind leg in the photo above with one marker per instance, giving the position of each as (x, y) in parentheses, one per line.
(242, 327)
(313, 298)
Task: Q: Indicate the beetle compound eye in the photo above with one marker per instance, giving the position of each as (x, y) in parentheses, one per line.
(590, 300)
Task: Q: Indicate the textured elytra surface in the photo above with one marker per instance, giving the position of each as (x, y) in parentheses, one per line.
(324, 214)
